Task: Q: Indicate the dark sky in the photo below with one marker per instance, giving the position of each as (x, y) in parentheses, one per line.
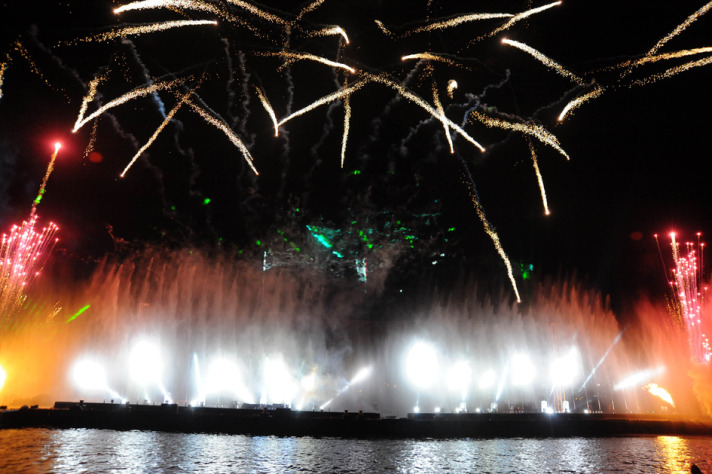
(638, 154)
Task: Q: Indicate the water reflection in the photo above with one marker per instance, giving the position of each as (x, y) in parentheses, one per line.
(675, 453)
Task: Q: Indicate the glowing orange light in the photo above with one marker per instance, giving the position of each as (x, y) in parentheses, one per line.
(57, 146)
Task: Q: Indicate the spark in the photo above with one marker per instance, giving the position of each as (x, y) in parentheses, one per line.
(492, 233)
(160, 128)
(536, 131)
(539, 178)
(458, 20)
(579, 101)
(545, 60)
(439, 107)
(269, 109)
(660, 392)
(423, 104)
(145, 29)
(134, 94)
(311, 57)
(330, 31)
(383, 29)
(325, 100)
(451, 86)
(673, 71)
(429, 57)
(220, 125)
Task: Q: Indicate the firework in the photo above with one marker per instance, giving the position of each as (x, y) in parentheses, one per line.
(517, 18)
(330, 31)
(458, 20)
(3, 68)
(179, 4)
(344, 92)
(536, 131)
(134, 94)
(441, 111)
(165, 122)
(579, 101)
(429, 57)
(539, 178)
(22, 255)
(673, 71)
(146, 29)
(222, 126)
(269, 109)
(680, 28)
(545, 60)
(688, 295)
(347, 122)
(309, 8)
(50, 167)
(291, 57)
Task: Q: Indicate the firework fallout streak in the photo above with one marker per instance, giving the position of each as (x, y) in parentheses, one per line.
(663, 57)
(579, 101)
(458, 20)
(145, 29)
(673, 71)
(180, 4)
(429, 57)
(220, 125)
(330, 31)
(257, 12)
(309, 8)
(492, 233)
(346, 91)
(515, 19)
(269, 109)
(136, 93)
(545, 60)
(347, 122)
(160, 128)
(3, 68)
(439, 107)
(539, 178)
(536, 131)
(451, 86)
(311, 57)
(691, 19)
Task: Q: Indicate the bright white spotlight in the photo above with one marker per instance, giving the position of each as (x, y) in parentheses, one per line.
(361, 375)
(145, 363)
(421, 365)
(523, 370)
(280, 386)
(89, 375)
(224, 376)
(566, 368)
(3, 376)
(487, 380)
(308, 382)
(458, 377)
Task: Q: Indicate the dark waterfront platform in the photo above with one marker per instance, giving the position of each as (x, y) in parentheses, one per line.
(286, 422)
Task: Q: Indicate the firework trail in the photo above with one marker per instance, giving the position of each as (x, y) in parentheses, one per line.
(451, 86)
(515, 19)
(134, 94)
(579, 101)
(347, 124)
(691, 19)
(146, 29)
(458, 20)
(258, 13)
(22, 256)
(492, 233)
(545, 60)
(661, 57)
(269, 109)
(50, 168)
(383, 29)
(221, 125)
(309, 8)
(160, 128)
(330, 31)
(346, 91)
(536, 131)
(673, 71)
(3, 68)
(423, 104)
(291, 57)
(430, 57)
(539, 178)
(439, 107)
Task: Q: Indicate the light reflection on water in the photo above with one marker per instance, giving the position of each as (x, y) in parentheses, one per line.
(79, 450)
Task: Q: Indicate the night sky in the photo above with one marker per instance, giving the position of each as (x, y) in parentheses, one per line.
(638, 154)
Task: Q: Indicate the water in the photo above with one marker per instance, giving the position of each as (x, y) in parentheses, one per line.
(80, 450)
